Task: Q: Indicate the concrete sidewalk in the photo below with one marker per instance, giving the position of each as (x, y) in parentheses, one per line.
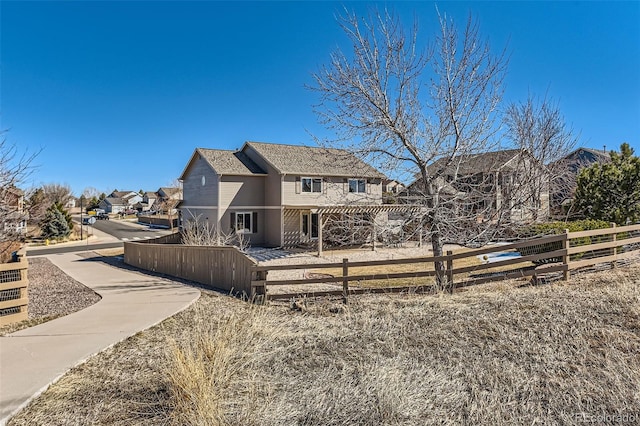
(32, 359)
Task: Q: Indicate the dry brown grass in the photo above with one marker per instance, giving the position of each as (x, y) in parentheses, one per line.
(494, 355)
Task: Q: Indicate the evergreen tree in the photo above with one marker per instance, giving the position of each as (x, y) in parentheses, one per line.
(54, 224)
(611, 191)
(65, 214)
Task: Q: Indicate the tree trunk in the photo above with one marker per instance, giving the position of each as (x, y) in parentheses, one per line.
(436, 245)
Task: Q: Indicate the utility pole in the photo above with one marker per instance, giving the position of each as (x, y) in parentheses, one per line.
(81, 197)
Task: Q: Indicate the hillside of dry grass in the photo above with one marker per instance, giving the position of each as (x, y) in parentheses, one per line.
(498, 355)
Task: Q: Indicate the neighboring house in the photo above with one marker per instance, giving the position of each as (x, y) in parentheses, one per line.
(166, 193)
(392, 186)
(13, 215)
(278, 195)
(148, 200)
(119, 201)
(391, 189)
(563, 185)
(113, 205)
(168, 200)
(509, 181)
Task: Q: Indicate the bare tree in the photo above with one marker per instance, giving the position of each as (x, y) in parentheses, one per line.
(60, 193)
(15, 167)
(198, 232)
(405, 106)
(538, 127)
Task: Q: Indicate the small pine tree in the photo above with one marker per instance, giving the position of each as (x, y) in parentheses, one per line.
(54, 224)
(611, 191)
(65, 214)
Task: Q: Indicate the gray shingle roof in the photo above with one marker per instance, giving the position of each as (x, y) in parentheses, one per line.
(483, 162)
(115, 201)
(305, 160)
(229, 162)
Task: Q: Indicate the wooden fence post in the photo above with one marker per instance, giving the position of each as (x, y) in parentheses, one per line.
(345, 281)
(565, 258)
(450, 271)
(614, 251)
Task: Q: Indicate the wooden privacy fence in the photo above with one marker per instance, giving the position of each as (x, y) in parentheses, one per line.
(556, 253)
(13, 290)
(225, 268)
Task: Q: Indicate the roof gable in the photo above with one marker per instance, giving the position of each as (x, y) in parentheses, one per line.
(306, 160)
(224, 162)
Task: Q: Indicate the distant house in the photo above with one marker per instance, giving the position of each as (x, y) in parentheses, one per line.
(278, 195)
(147, 203)
(563, 185)
(113, 205)
(491, 182)
(392, 186)
(13, 215)
(168, 199)
(120, 201)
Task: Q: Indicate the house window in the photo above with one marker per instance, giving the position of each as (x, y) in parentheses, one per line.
(314, 225)
(311, 184)
(245, 222)
(358, 185)
(310, 223)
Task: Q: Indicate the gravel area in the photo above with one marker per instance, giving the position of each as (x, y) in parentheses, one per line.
(295, 257)
(54, 293)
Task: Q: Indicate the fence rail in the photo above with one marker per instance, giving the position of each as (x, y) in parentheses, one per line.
(561, 253)
(14, 284)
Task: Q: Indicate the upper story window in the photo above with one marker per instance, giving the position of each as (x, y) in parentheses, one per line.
(311, 184)
(358, 185)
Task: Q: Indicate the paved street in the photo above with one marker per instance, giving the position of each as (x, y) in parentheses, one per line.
(128, 231)
(105, 234)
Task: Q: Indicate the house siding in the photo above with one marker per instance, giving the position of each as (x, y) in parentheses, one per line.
(243, 194)
(200, 200)
(272, 198)
(291, 232)
(256, 238)
(336, 193)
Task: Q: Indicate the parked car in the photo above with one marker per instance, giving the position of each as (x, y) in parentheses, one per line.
(102, 216)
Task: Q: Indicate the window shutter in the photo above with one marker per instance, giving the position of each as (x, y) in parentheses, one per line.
(298, 184)
(233, 221)
(345, 186)
(323, 182)
(255, 222)
(367, 184)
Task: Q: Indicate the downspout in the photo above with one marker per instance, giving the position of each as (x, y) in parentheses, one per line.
(218, 218)
(282, 176)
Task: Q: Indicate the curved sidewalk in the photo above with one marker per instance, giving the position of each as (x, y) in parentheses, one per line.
(32, 359)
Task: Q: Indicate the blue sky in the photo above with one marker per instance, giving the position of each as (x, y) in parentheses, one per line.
(119, 94)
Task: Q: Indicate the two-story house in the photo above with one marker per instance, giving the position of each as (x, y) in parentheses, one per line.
(13, 215)
(511, 184)
(277, 195)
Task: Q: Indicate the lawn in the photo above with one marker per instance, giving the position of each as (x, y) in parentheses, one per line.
(496, 354)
